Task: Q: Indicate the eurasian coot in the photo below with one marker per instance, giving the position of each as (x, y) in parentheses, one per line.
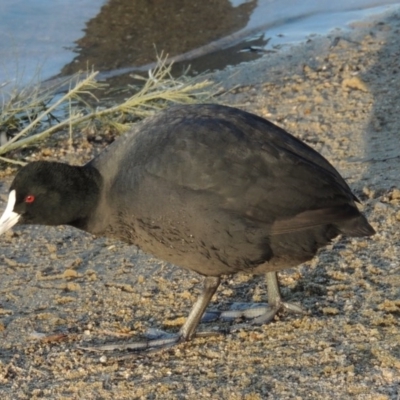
(206, 187)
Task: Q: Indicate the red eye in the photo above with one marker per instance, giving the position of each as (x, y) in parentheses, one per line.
(29, 199)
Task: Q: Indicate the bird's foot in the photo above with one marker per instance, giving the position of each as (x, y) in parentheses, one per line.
(269, 314)
(156, 340)
(256, 313)
(159, 340)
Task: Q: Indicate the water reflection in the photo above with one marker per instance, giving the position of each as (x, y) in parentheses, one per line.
(126, 33)
(50, 35)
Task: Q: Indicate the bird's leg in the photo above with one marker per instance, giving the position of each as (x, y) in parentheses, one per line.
(275, 301)
(187, 331)
(258, 313)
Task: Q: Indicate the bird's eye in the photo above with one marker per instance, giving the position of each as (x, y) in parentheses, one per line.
(30, 198)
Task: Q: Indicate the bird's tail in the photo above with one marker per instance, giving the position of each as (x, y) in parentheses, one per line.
(356, 227)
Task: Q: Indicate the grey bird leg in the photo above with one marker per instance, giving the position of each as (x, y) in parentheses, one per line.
(187, 331)
(275, 301)
(210, 285)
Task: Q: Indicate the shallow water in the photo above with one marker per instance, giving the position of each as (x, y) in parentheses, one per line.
(42, 39)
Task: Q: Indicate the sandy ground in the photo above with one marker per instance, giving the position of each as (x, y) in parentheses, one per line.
(61, 289)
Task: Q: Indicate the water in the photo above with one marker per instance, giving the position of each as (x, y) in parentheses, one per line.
(43, 38)
(37, 37)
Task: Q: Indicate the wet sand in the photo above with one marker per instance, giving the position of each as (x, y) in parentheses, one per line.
(61, 289)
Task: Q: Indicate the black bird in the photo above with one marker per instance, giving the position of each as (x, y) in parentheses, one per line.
(208, 188)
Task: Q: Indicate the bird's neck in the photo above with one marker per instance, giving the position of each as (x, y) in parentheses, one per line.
(86, 200)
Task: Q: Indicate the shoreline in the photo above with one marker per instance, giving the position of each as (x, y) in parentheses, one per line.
(62, 289)
(224, 43)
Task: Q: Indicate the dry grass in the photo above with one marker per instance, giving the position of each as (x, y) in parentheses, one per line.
(36, 111)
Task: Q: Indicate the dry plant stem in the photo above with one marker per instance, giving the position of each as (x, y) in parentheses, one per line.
(11, 144)
(11, 161)
(128, 106)
(159, 86)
